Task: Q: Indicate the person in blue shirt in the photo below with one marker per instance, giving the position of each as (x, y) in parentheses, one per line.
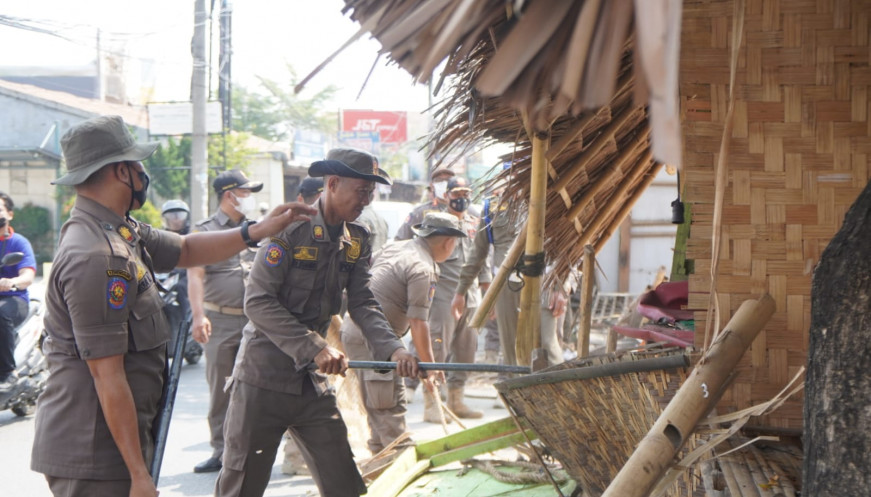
(14, 300)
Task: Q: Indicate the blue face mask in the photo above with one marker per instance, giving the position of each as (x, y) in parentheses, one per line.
(459, 204)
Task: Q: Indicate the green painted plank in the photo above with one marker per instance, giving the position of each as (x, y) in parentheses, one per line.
(485, 431)
(473, 450)
(400, 473)
(475, 483)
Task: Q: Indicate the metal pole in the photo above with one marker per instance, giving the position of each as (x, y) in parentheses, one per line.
(199, 145)
(439, 366)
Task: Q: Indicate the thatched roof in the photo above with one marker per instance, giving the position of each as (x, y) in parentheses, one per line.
(566, 70)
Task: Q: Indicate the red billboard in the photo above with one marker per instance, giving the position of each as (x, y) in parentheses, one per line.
(391, 126)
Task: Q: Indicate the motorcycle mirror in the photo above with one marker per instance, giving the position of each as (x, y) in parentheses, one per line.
(12, 258)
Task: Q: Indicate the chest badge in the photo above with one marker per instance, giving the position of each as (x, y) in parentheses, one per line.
(126, 233)
(305, 253)
(318, 232)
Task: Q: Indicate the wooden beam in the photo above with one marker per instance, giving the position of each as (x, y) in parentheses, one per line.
(587, 301)
(499, 279)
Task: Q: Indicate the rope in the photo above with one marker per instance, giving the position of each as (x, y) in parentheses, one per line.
(529, 265)
(530, 473)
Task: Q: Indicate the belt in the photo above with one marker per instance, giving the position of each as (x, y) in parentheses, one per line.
(224, 309)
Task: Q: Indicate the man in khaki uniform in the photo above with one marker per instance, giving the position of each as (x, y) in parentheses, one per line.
(294, 289)
(403, 281)
(107, 335)
(216, 294)
(438, 203)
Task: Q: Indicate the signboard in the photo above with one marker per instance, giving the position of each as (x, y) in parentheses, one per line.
(370, 141)
(391, 126)
(309, 146)
(176, 118)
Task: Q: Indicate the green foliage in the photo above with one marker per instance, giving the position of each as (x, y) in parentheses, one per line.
(274, 110)
(34, 223)
(148, 214)
(170, 166)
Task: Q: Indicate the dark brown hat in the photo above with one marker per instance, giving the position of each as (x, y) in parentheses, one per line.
(350, 163)
(235, 178)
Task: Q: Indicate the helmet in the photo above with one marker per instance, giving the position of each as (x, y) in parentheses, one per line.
(176, 216)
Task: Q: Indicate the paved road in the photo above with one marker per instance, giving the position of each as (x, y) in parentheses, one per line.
(188, 444)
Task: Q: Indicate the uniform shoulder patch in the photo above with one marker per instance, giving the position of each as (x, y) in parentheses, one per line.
(274, 254)
(280, 242)
(120, 273)
(318, 232)
(432, 289)
(353, 251)
(126, 233)
(116, 293)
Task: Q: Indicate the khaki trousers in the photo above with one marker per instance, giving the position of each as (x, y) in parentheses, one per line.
(220, 352)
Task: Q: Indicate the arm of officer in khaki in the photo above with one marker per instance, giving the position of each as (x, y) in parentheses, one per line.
(473, 266)
(200, 249)
(119, 410)
(97, 292)
(366, 312)
(271, 268)
(419, 293)
(201, 326)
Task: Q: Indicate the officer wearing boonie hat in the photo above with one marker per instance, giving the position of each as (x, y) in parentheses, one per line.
(106, 331)
(295, 287)
(404, 276)
(216, 294)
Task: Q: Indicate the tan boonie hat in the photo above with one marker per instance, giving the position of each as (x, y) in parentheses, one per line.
(92, 144)
(350, 163)
(438, 224)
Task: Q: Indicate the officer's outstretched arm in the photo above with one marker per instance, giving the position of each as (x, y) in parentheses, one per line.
(200, 249)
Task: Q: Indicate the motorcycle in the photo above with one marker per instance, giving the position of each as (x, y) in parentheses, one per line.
(177, 311)
(32, 368)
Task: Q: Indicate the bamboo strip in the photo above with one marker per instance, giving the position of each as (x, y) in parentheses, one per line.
(499, 279)
(529, 321)
(693, 401)
(583, 347)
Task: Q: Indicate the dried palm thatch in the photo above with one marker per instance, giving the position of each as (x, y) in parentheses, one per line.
(565, 70)
(543, 59)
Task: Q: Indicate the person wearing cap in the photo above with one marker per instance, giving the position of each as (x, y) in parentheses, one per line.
(106, 331)
(310, 190)
(216, 294)
(279, 381)
(436, 203)
(404, 277)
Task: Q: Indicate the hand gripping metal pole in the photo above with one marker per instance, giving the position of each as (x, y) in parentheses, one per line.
(439, 366)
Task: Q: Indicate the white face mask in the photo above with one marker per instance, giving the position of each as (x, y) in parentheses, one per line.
(439, 189)
(245, 204)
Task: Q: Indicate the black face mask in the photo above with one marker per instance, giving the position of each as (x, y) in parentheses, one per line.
(2, 222)
(138, 195)
(459, 204)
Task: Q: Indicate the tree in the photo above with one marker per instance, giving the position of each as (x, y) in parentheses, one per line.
(273, 111)
(837, 418)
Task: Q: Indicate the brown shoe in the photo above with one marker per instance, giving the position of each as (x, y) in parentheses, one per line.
(455, 404)
(432, 412)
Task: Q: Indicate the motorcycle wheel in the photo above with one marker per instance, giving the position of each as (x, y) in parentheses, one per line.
(24, 409)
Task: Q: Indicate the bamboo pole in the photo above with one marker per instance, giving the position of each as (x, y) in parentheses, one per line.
(586, 302)
(695, 398)
(529, 320)
(499, 279)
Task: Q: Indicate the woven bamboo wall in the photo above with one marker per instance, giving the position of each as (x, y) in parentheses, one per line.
(798, 159)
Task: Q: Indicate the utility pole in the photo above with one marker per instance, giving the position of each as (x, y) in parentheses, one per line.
(225, 84)
(199, 149)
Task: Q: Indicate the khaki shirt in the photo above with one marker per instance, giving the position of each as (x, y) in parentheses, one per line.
(224, 282)
(101, 301)
(404, 280)
(504, 230)
(449, 270)
(295, 286)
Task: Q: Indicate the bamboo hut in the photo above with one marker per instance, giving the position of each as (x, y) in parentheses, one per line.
(766, 112)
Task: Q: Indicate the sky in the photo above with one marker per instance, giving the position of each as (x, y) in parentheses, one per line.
(155, 36)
